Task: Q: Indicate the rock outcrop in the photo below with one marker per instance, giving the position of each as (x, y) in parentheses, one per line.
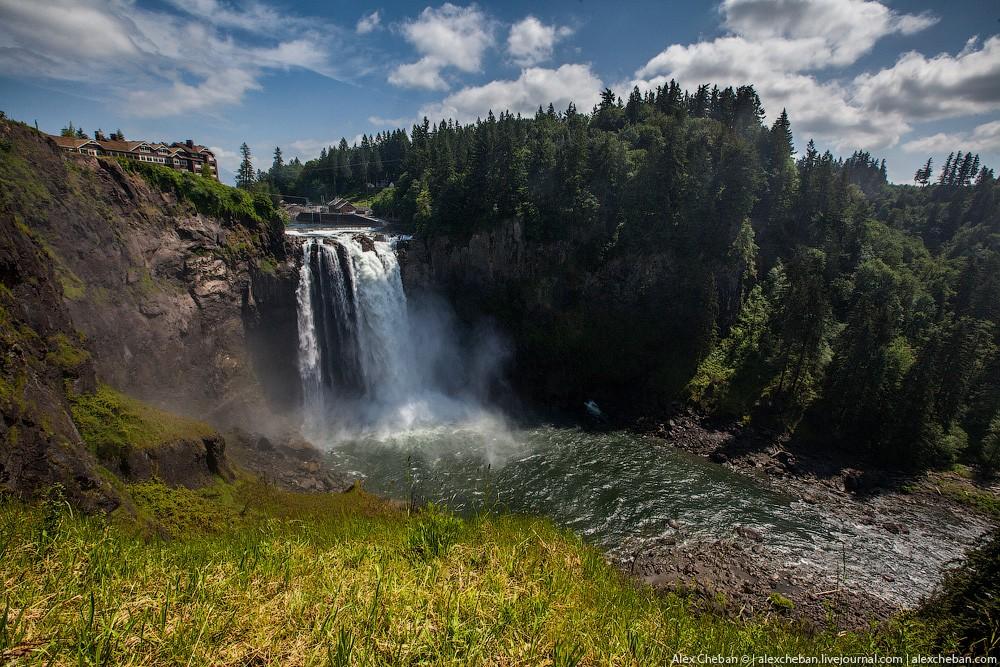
(168, 299)
(586, 320)
(105, 276)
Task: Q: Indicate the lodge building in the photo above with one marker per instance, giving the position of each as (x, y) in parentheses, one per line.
(186, 156)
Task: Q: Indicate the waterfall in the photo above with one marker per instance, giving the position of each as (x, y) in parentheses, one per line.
(370, 363)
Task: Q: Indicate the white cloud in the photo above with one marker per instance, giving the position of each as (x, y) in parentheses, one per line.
(56, 39)
(939, 87)
(252, 16)
(196, 59)
(844, 29)
(983, 138)
(220, 88)
(449, 36)
(535, 86)
(368, 23)
(227, 159)
(311, 147)
(425, 73)
(776, 45)
(389, 122)
(530, 41)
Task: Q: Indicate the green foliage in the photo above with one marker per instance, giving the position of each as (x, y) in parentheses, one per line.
(435, 531)
(66, 354)
(111, 423)
(267, 266)
(966, 608)
(208, 196)
(20, 187)
(314, 579)
(984, 501)
(990, 450)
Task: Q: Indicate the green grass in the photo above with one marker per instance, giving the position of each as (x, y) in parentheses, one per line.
(251, 575)
(984, 501)
(111, 422)
(65, 353)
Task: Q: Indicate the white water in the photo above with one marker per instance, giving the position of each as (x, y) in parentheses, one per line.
(373, 365)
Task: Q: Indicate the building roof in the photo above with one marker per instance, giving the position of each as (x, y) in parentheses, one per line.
(121, 146)
(195, 151)
(71, 142)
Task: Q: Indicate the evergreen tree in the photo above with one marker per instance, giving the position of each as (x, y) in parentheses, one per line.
(246, 173)
(923, 175)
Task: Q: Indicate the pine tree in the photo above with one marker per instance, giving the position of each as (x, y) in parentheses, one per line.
(633, 107)
(245, 174)
(946, 172)
(923, 175)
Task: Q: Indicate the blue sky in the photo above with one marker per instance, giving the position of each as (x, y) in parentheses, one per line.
(903, 79)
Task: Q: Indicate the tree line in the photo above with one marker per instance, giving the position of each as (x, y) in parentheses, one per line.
(784, 286)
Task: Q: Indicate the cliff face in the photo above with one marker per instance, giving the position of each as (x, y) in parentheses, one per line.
(168, 299)
(159, 300)
(583, 322)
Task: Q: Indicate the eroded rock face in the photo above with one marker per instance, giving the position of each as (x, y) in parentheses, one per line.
(585, 322)
(167, 298)
(40, 355)
(104, 277)
(189, 463)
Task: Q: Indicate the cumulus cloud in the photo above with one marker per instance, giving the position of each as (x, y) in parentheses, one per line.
(535, 86)
(983, 138)
(193, 59)
(227, 159)
(425, 73)
(777, 45)
(381, 121)
(368, 23)
(939, 87)
(843, 29)
(449, 36)
(530, 41)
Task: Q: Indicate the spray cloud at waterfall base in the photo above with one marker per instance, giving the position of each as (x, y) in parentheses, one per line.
(377, 366)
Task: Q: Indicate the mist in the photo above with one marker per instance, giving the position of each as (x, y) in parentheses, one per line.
(379, 365)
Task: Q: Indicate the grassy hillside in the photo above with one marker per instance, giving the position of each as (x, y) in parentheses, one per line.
(110, 422)
(241, 574)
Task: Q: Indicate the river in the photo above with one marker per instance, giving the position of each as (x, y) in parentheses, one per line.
(385, 399)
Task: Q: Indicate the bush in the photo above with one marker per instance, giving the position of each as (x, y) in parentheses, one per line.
(208, 196)
(433, 533)
(966, 607)
(990, 448)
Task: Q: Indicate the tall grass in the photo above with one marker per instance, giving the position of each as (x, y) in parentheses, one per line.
(347, 579)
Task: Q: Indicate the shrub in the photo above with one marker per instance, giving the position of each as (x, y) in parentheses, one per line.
(779, 601)
(990, 448)
(208, 196)
(966, 607)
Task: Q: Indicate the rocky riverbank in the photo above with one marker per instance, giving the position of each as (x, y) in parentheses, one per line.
(942, 513)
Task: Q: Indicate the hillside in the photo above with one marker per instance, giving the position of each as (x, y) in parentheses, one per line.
(255, 575)
(147, 282)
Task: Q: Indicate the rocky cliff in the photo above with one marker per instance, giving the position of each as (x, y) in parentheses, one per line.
(585, 320)
(106, 275)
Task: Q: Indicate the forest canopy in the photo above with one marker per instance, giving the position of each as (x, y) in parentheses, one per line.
(813, 292)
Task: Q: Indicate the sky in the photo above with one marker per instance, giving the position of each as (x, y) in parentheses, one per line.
(904, 79)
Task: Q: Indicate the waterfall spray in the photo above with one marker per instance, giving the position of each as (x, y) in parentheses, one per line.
(370, 363)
